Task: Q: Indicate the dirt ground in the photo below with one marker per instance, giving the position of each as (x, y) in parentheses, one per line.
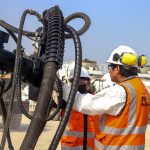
(47, 135)
(44, 141)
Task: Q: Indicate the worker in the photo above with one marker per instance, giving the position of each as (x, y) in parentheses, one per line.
(123, 107)
(80, 131)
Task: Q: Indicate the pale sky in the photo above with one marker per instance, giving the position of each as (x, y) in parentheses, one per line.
(113, 23)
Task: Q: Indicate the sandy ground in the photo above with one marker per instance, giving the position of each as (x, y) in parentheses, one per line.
(47, 135)
(44, 141)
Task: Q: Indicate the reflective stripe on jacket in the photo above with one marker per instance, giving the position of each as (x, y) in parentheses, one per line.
(127, 130)
(72, 138)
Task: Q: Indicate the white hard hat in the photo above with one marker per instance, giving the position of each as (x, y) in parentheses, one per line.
(84, 73)
(131, 60)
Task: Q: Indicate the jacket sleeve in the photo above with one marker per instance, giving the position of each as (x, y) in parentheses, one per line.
(108, 101)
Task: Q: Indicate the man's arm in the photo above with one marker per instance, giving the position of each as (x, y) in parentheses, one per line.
(108, 101)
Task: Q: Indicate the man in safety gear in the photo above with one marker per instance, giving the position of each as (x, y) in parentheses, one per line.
(123, 107)
(80, 130)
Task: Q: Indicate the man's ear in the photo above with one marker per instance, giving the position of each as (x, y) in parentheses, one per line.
(117, 68)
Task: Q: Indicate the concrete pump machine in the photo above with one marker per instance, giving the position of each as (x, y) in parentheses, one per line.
(38, 70)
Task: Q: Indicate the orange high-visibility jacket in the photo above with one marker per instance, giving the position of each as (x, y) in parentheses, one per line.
(72, 138)
(127, 130)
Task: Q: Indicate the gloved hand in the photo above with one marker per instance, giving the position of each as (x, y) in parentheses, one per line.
(82, 88)
(63, 104)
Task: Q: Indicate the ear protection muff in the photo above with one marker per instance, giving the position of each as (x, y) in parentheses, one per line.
(142, 60)
(129, 59)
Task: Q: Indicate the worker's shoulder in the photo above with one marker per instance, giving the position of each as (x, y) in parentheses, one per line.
(116, 89)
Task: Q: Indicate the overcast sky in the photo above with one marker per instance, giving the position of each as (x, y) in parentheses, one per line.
(113, 23)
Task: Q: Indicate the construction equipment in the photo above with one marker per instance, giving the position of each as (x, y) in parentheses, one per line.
(16, 112)
(39, 70)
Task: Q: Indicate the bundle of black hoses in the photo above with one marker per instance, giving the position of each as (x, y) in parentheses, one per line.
(54, 34)
(4, 111)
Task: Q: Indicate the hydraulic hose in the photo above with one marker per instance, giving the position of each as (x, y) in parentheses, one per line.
(15, 39)
(74, 87)
(68, 19)
(20, 55)
(12, 35)
(85, 131)
(4, 114)
(53, 36)
(16, 30)
(9, 111)
(60, 98)
(19, 99)
(15, 78)
(8, 86)
(6, 126)
(54, 54)
(87, 23)
(19, 65)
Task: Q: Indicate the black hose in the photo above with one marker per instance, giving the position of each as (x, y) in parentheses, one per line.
(15, 78)
(38, 120)
(74, 87)
(87, 23)
(85, 131)
(6, 126)
(54, 44)
(4, 114)
(60, 99)
(19, 53)
(19, 70)
(19, 65)
(19, 99)
(67, 19)
(8, 85)
(16, 30)
(53, 61)
(15, 39)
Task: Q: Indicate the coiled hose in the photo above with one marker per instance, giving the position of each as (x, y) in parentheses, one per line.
(83, 16)
(15, 77)
(54, 50)
(54, 29)
(74, 87)
(4, 114)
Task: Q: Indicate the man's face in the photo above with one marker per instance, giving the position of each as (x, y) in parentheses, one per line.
(114, 71)
(84, 85)
(83, 81)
